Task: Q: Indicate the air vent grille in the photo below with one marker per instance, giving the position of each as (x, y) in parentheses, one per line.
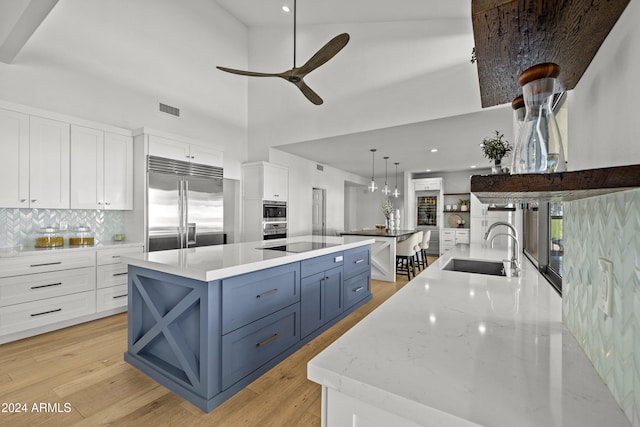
(169, 109)
(178, 167)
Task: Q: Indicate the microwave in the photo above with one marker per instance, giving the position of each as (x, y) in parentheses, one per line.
(273, 211)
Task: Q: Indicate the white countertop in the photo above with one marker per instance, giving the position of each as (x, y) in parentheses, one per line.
(470, 349)
(216, 262)
(31, 250)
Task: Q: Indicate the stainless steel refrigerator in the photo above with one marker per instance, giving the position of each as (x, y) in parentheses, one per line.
(184, 204)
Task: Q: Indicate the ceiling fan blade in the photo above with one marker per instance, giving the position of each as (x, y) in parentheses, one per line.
(325, 53)
(308, 92)
(247, 73)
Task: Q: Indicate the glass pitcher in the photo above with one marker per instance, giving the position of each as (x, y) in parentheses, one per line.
(539, 145)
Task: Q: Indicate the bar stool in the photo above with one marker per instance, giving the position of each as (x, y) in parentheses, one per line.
(405, 255)
(418, 236)
(424, 245)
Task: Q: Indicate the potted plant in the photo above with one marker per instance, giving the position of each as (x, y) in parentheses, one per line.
(387, 210)
(464, 204)
(495, 148)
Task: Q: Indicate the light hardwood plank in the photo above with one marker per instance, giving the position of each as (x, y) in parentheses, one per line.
(83, 365)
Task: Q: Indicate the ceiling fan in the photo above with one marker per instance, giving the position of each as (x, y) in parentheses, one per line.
(296, 74)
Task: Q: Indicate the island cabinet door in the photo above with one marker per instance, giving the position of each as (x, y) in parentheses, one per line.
(249, 297)
(321, 299)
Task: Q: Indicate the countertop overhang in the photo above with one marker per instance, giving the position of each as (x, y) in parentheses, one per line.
(209, 263)
(470, 349)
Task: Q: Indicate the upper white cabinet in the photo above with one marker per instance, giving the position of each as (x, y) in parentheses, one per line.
(178, 150)
(427, 184)
(48, 164)
(266, 181)
(14, 149)
(101, 169)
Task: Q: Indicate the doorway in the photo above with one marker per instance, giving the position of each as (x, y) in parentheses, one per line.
(319, 212)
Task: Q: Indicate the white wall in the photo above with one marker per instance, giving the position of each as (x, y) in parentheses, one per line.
(303, 177)
(382, 78)
(113, 61)
(603, 108)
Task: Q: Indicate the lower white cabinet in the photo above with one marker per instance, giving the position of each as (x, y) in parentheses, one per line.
(449, 237)
(48, 291)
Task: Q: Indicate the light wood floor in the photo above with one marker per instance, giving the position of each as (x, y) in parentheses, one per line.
(82, 366)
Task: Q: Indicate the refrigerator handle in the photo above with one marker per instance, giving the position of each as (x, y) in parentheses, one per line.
(182, 196)
(191, 234)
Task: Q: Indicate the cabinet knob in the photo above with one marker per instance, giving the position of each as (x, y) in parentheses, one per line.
(34, 200)
(107, 203)
(23, 200)
(99, 203)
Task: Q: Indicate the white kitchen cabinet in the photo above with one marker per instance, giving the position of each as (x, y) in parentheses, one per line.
(427, 184)
(266, 181)
(111, 282)
(101, 169)
(186, 152)
(48, 163)
(482, 217)
(449, 237)
(14, 149)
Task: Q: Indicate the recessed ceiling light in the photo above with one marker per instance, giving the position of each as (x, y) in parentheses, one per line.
(434, 150)
(427, 170)
(286, 9)
(473, 166)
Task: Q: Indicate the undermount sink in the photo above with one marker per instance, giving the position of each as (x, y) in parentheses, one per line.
(494, 268)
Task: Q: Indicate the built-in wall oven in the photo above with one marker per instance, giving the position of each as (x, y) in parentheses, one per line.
(274, 219)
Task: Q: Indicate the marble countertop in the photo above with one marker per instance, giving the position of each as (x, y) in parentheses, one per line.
(469, 349)
(31, 250)
(216, 262)
(379, 233)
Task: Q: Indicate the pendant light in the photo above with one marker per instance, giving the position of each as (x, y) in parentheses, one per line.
(372, 187)
(396, 193)
(386, 190)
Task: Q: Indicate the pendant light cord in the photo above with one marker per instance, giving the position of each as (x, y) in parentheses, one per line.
(295, 13)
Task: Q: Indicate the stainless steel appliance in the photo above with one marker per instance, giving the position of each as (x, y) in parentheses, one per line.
(184, 204)
(428, 217)
(274, 230)
(274, 211)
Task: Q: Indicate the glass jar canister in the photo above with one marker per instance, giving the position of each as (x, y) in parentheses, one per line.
(539, 145)
(519, 112)
(49, 237)
(81, 236)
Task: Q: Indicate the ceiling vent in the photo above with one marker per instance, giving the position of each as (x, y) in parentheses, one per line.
(320, 167)
(169, 109)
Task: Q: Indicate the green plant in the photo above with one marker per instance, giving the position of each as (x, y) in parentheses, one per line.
(387, 208)
(464, 202)
(495, 148)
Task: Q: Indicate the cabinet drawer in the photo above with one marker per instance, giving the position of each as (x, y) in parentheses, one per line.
(248, 348)
(462, 233)
(113, 297)
(111, 275)
(20, 317)
(321, 263)
(448, 233)
(356, 261)
(356, 289)
(462, 239)
(112, 256)
(16, 266)
(251, 296)
(33, 287)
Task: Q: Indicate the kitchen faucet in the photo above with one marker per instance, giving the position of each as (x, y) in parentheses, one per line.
(514, 263)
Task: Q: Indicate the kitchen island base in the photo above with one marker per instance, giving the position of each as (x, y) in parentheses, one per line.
(205, 341)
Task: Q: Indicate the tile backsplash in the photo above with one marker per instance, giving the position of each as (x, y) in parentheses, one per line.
(18, 226)
(606, 227)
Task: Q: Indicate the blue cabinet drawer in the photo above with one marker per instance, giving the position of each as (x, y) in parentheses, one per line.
(251, 296)
(320, 264)
(356, 289)
(356, 261)
(248, 348)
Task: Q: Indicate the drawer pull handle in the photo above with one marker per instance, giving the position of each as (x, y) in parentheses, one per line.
(115, 256)
(46, 263)
(46, 312)
(120, 274)
(266, 294)
(46, 286)
(358, 289)
(358, 261)
(338, 259)
(268, 340)
(120, 296)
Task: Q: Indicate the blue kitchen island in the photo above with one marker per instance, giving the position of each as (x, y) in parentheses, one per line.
(205, 322)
